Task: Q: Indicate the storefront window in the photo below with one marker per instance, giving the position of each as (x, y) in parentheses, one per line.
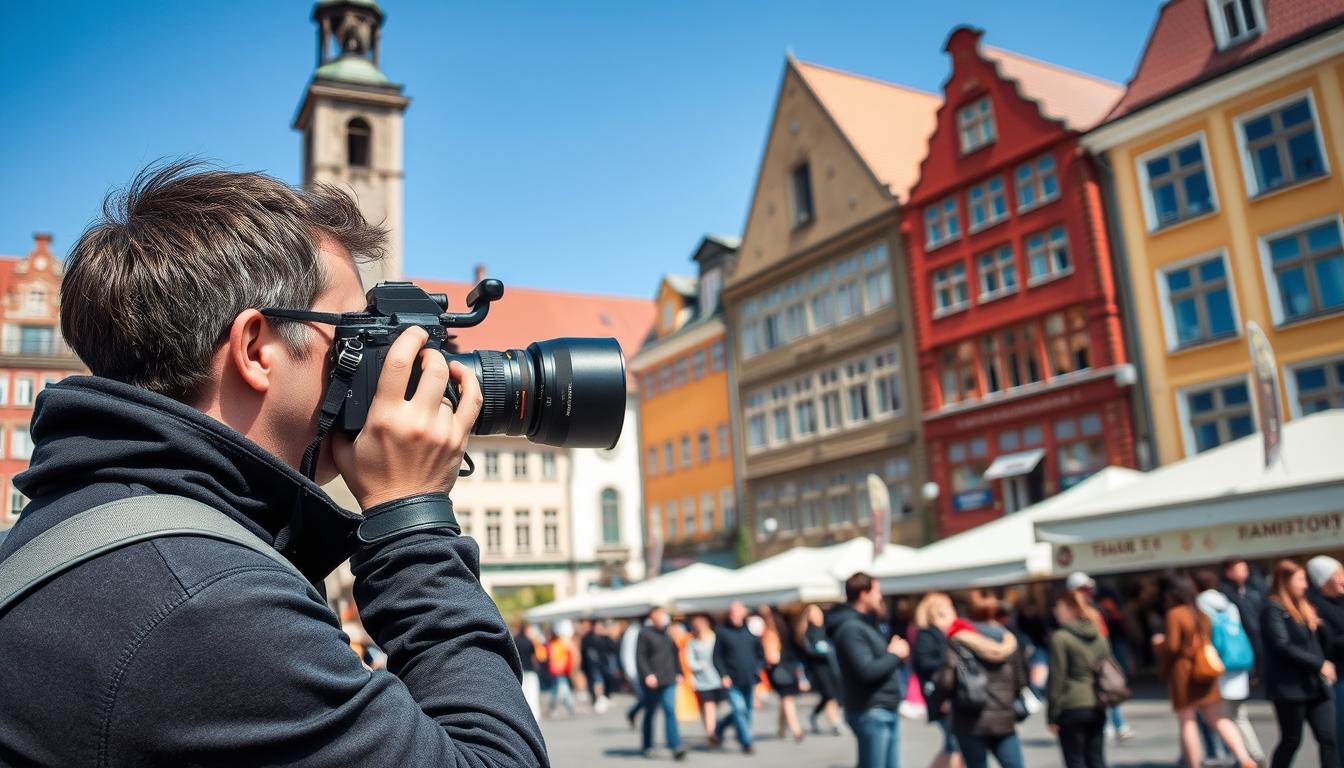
(969, 460)
(1080, 450)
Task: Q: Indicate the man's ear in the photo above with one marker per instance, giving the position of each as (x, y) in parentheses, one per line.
(250, 352)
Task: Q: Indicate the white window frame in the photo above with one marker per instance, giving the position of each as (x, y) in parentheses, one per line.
(997, 265)
(1219, 24)
(1164, 299)
(1053, 274)
(941, 216)
(935, 282)
(1041, 198)
(1290, 381)
(1145, 194)
(1253, 190)
(1183, 407)
(4, 387)
(18, 388)
(987, 200)
(1271, 279)
(971, 115)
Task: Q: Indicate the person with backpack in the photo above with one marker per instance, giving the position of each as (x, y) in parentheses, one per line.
(983, 675)
(1191, 666)
(1079, 689)
(934, 617)
(1298, 676)
(1233, 643)
(1326, 595)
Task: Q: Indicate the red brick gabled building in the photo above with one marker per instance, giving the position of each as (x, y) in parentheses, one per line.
(1023, 371)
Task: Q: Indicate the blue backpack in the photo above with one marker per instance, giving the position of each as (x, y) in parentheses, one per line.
(1232, 643)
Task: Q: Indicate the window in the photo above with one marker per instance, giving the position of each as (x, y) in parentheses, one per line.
(988, 203)
(756, 431)
(787, 508)
(969, 460)
(1010, 360)
(494, 542)
(665, 378)
(4, 387)
(1067, 345)
(1308, 266)
(698, 364)
(17, 501)
(716, 356)
(839, 504)
(975, 123)
(688, 510)
(1036, 183)
(36, 339)
(1218, 414)
(357, 143)
(669, 315)
(949, 290)
(548, 463)
(957, 374)
(550, 533)
(669, 461)
(702, 443)
(811, 506)
(707, 511)
(802, 195)
(886, 368)
(877, 290)
(673, 519)
(728, 506)
(20, 443)
(464, 521)
(656, 521)
(780, 413)
(856, 391)
(522, 530)
(648, 385)
(685, 450)
(1235, 20)
(1177, 184)
(492, 465)
(1317, 386)
(1080, 448)
(520, 465)
(725, 442)
(805, 412)
(1281, 146)
(940, 223)
(651, 463)
(1198, 302)
(711, 284)
(829, 385)
(611, 516)
(679, 372)
(1048, 256)
(998, 273)
(35, 300)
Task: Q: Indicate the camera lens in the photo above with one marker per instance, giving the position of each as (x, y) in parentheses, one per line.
(562, 392)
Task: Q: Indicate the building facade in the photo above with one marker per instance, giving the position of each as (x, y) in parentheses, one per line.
(816, 302)
(1224, 156)
(1024, 376)
(686, 439)
(33, 354)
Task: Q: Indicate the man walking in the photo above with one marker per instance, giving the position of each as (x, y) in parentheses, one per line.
(629, 642)
(657, 664)
(1250, 602)
(738, 654)
(1327, 596)
(870, 671)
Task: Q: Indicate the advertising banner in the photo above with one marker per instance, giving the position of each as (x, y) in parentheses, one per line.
(879, 499)
(1265, 372)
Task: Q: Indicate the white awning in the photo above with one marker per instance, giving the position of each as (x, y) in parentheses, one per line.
(634, 600)
(1014, 464)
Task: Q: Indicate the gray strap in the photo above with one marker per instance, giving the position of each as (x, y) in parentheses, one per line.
(116, 524)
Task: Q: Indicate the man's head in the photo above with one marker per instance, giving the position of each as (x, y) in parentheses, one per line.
(737, 613)
(1326, 575)
(1080, 582)
(1236, 571)
(163, 293)
(863, 593)
(659, 617)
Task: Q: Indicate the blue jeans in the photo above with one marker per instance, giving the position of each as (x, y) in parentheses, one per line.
(975, 750)
(741, 698)
(878, 731)
(663, 697)
(637, 688)
(1117, 719)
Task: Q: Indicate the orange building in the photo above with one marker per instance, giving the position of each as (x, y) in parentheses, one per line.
(32, 355)
(685, 422)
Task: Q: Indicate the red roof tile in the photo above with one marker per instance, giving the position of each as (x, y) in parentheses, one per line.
(1182, 51)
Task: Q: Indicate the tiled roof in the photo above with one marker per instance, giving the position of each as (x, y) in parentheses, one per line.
(1078, 100)
(525, 315)
(1182, 51)
(888, 124)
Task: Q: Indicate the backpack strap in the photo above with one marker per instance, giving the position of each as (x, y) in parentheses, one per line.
(116, 524)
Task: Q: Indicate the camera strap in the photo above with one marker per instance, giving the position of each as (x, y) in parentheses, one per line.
(348, 354)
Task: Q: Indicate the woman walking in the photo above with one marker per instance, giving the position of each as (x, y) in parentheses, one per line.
(934, 616)
(1192, 682)
(820, 657)
(781, 668)
(1297, 675)
(1072, 707)
(992, 728)
(706, 679)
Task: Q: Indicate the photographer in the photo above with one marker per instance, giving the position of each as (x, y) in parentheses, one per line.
(185, 650)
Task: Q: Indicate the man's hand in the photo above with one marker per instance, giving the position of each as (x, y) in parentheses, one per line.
(408, 447)
(650, 681)
(1328, 672)
(727, 681)
(898, 647)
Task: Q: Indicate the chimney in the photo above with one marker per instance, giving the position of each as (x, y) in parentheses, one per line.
(480, 274)
(41, 242)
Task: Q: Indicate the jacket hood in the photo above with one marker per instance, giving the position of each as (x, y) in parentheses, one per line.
(839, 615)
(91, 431)
(1212, 601)
(988, 649)
(1084, 629)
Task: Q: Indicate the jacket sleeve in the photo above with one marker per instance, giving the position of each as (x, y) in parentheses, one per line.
(809, 650)
(721, 654)
(642, 651)
(1059, 673)
(265, 674)
(869, 667)
(1277, 640)
(927, 655)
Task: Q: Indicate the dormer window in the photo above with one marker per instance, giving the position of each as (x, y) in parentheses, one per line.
(975, 123)
(1235, 21)
(802, 195)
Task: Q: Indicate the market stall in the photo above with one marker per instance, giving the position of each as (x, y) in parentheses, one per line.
(634, 600)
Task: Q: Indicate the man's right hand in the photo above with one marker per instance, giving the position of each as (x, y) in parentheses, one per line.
(415, 446)
(898, 647)
(650, 681)
(727, 681)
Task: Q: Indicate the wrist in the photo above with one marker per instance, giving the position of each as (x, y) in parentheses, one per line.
(409, 514)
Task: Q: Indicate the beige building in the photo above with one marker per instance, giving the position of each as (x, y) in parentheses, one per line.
(816, 298)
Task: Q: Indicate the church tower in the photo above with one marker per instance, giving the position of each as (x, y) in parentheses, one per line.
(351, 120)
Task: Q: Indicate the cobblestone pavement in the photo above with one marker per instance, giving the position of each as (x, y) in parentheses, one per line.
(606, 741)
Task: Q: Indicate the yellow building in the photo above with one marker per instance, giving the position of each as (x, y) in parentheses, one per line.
(685, 426)
(1227, 189)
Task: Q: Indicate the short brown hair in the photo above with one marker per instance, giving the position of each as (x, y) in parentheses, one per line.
(857, 585)
(152, 286)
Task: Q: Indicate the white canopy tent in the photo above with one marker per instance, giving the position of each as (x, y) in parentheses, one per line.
(799, 575)
(634, 600)
(1004, 551)
(1220, 503)
(572, 607)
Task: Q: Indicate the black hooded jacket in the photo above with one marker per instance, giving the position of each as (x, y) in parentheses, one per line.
(869, 676)
(191, 651)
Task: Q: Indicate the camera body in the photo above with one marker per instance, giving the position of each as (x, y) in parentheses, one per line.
(564, 392)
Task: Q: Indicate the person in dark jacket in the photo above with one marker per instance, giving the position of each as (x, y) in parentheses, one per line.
(595, 649)
(934, 616)
(1072, 708)
(816, 648)
(657, 661)
(185, 650)
(527, 657)
(738, 654)
(1297, 673)
(870, 672)
(1249, 598)
(1326, 595)
(991, 729)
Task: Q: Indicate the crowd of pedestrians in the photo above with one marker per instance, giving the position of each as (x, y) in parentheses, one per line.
(976, 666)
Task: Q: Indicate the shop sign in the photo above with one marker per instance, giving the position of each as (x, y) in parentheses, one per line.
(972, 500)
(1260, 538)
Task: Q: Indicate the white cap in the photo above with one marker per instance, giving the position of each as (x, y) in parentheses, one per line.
(1079, 580)
(1320, 568)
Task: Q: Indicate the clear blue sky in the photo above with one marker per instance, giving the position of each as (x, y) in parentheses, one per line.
(571, 145)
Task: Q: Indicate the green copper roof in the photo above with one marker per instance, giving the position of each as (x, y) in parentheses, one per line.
(352, 69)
